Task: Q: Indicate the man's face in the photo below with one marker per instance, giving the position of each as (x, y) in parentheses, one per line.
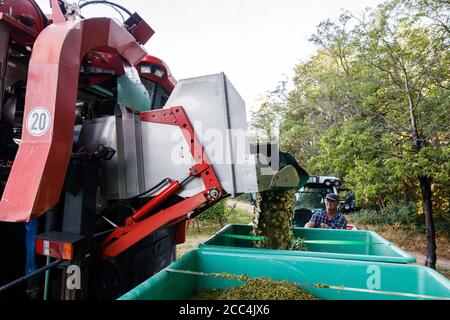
(331, 205)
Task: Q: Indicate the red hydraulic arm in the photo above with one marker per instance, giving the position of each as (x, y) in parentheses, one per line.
(140, 224)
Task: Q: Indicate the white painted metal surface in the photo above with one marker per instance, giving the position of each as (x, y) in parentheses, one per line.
(218, 115)
(149, 152)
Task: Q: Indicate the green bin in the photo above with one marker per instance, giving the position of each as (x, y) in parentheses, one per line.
(325, 278)
(323, 243)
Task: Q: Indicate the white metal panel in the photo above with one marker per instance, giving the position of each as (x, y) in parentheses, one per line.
(216, 112)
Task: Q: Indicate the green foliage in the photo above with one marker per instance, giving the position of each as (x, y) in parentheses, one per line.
(371, 106)
(404, 214)
(239, 216)
(218, 213)
(223, 213)
(442, 224)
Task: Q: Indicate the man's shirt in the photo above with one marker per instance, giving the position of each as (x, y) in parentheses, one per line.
(339, 221)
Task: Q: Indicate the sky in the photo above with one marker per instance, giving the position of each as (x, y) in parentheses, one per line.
(257, 43)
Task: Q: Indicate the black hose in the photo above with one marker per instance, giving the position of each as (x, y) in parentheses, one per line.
(107, 3)
(159, 184)
(30, 275)
(102, 233)
(124, 203)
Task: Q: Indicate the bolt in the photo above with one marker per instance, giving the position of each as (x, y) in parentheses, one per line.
(214, 193)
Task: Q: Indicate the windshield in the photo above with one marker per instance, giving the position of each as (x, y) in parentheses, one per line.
(311, 199)
(158, 96)
(347, 197)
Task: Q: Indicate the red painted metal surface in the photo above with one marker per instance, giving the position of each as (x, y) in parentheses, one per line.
(111, 61)
(168, 82)
(139, 28)
(198, 153)
(124, 237)
(102, 60)
(39, 169)
(180, 236)
(57, 15)
(18, 31)
(140, 214)
(177, 116)
(106, 60)
(133, 231)
(25, 18)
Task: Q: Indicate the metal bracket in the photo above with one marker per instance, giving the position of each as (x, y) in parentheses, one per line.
(138, 226)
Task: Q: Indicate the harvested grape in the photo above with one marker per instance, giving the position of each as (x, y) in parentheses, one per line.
(257, 289)
(273, 219)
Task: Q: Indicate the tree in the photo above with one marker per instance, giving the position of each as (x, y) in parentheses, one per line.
(411, 59)
(266, 120)
(371, 106)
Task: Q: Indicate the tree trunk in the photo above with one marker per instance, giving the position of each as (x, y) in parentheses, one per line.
(414, 131)
(425, 186)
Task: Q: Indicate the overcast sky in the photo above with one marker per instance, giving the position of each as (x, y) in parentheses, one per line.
(255, 42)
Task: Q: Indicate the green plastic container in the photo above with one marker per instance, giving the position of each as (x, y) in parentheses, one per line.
(346, 279)
(323, 243)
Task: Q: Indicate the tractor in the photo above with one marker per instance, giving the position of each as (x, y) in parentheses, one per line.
(311, 197)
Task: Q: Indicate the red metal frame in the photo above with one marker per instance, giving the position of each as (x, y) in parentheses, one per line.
(103, 60)
(22, 9)
(137, 226)
(168, 82)
(110, 61)
(180, 236)
(27, 35)
(37, 175)
(139, 28)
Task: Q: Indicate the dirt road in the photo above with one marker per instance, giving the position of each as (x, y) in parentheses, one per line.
(242, 205)
(441, 262)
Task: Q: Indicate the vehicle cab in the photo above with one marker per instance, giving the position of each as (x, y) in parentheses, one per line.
(311, 198)
(158, 80)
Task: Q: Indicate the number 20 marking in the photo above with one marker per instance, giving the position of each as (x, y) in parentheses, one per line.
(38, 121)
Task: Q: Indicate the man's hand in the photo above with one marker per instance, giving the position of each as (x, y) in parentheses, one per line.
(324, 225)
(310, 224)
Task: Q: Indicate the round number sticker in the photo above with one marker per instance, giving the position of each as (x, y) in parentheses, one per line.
(38, 121)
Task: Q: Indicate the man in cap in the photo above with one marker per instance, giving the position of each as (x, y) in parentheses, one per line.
(328, 218)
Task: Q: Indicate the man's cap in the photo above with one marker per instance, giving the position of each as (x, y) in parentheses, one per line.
(332, 197)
